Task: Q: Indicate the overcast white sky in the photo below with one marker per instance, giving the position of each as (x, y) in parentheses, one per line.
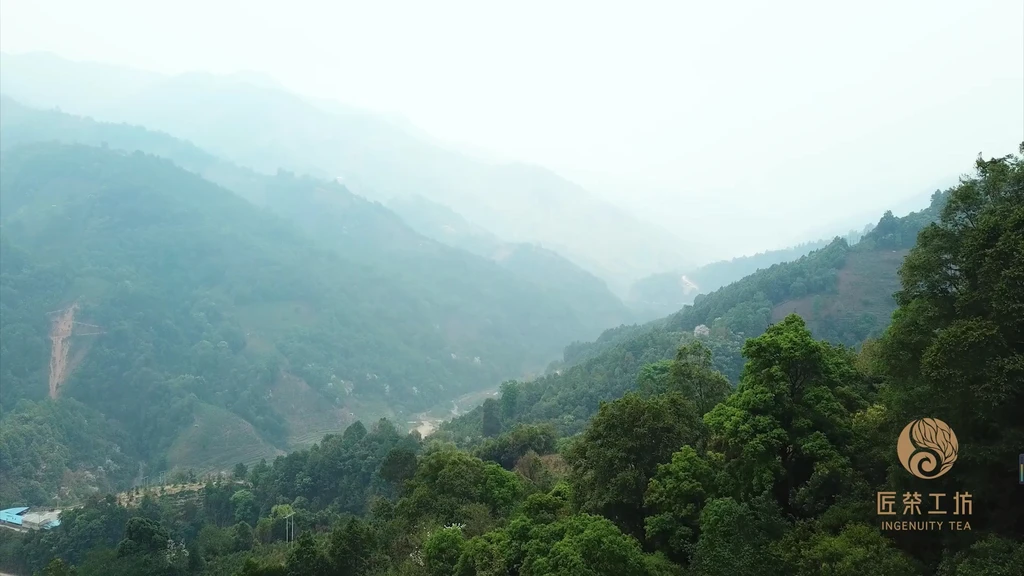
(753, 119)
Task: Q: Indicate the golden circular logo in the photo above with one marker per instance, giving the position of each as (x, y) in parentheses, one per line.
(927, 448)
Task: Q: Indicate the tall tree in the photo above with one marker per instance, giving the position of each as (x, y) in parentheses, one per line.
(143, 536)
(351, 547)
(784, 429)
(509, 400)
(492, 418)
(675, 499)
(306, 559)
(691, 373)
(955, 349)
(615, 458)
(58, 567)
(398, 466)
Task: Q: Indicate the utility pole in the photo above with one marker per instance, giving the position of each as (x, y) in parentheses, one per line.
(289, 527)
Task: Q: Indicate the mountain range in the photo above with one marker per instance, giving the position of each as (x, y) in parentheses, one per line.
(214, 270)
(264, 127)
(244, 313)
(661, 294)
(843, 292)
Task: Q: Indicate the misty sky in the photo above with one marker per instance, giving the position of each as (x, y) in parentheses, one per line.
(750, 121)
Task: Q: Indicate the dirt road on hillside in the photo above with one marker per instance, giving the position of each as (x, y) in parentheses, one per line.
(427, 422)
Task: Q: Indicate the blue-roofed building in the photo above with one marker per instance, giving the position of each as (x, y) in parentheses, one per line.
(13, 515)
(30, 518)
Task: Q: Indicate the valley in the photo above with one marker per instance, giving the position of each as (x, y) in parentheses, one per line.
(843, 293)
(427, 422)
(279, 383)
(250, 332)
(207, 367)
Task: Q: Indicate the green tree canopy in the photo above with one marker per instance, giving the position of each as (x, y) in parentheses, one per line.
(613, 460)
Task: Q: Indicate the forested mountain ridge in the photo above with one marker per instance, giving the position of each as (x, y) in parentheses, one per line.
(443, 224)
(22, 124)
(543, 267)
(667, 292)
(45, 79)
(211, 309)
(664, 293)
(787, 474)
(334, 217)
(517, 202)
(844, 294)
(747, 306)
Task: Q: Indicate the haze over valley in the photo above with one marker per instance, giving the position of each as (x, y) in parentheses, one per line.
(663, 290)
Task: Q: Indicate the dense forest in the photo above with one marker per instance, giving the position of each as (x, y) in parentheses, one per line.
(197, 307)
(844, 294)
(783, 474)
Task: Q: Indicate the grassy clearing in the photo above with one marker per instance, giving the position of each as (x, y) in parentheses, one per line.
(217, 441)
(863, 296)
